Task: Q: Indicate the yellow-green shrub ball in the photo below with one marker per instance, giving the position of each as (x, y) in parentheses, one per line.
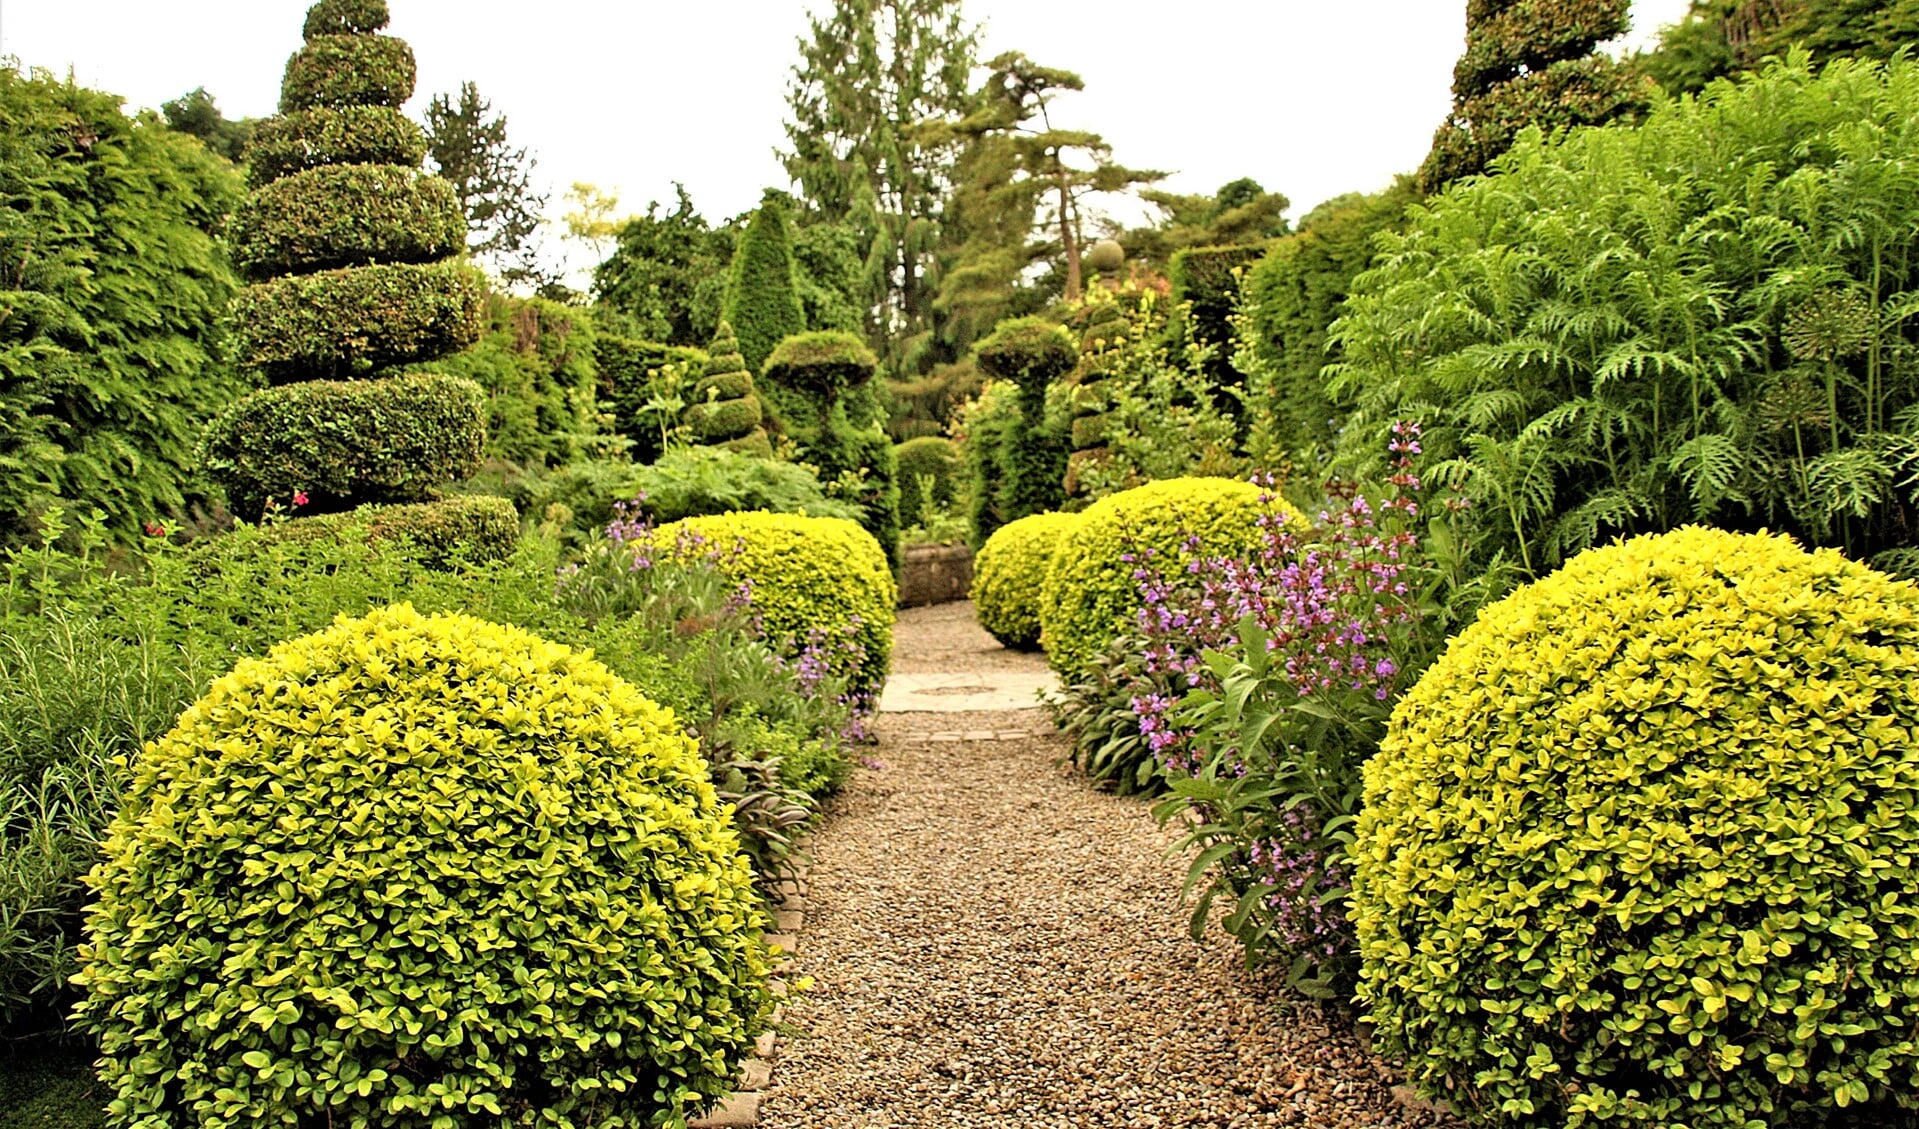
(1008, 574)
(1641, 847)
(807, 573)
(1091, 595)
(417, 869)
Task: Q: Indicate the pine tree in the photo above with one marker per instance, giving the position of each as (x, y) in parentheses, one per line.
(1530, 63)
(869, 73)
(466, 144)
(762, 295)
(353, 255)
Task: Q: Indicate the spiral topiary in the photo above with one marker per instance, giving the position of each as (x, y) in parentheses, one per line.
(726, 412)
(1090, 595)
(413, 871)
(808, 574)
(351, 249)
(1639, 848)
(1008, 575)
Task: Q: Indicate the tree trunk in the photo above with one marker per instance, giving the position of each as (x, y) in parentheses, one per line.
(1069, 238)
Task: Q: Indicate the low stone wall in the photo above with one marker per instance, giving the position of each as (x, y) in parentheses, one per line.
(935, 574)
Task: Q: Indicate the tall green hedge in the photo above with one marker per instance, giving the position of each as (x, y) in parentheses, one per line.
(355, 276)
(1208, 281)
(112, 290)
(762, 295)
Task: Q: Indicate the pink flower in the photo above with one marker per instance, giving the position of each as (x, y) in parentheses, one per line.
(299, 498)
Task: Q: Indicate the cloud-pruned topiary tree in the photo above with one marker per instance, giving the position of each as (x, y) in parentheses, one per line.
(352, 255)
(762, 294)
(819, 378)
(1530, 63)
(726, 411)
(1030, 353)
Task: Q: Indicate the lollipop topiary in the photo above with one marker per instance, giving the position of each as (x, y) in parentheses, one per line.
(1090, 595)
(725, 411)
(1640, 847)
(1008, 575)
(1032, 354)
(812, 375)
(351, 250)
(413, 871)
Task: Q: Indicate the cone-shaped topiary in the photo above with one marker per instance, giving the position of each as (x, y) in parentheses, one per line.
(413, 871)
(352, 250)
(1639, 848)
(762, 295)
(726, 411)
(1009, 573)
(1090, 595)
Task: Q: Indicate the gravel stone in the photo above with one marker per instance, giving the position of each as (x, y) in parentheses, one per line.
(993, 943)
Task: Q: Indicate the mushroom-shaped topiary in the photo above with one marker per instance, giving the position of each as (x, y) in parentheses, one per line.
(1009, 573)
(823, 365)
(811, 374)
(1639, 848)
(352, 251)
(1031, 353)
(413, 871)
(725, 410)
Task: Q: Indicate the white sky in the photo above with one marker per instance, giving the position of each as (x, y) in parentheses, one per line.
(1309, 97)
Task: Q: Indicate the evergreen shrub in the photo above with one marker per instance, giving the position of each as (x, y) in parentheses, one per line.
(721, 420)
(1207, 281)
(934, 457)
(1638, 848)
(413, 871)
(325, 135)
(809, 574)
(762, 301)
(470, 529)
(348, 70)
(1031, 354)
(1009, 573)
(347, 443)
(345, 215)
(345, 17)
(816, 383)
(823, 365)
(1090, 595)
(536, 363)
(725, 409)
(357, 321)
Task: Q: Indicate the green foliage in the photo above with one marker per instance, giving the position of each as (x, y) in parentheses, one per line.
(762, 296)
(725, 409)
(1096, 713)
(197, 114)
(933, 458)
(1030, 352)
(1701, 319)
(667, 274)
(1636, 848)
(49, 1086)
(858, 466)
(536, 363)
(346, 135)
(1530, 63)
(645, 385)
(354, 322)
(1090, 596)
(346, 443)
(820, 367)
(507, 748)
(1288, 301)
(1009, 572)
(719, 420)
(491, 180)
(809, 574)
(438, 535)
(343, 215)
(1719, 38)
(112, 286)
(927, 405)
(983, 425)
(1241, 212)
(348, 70)
(1208, 280)
(344, 17)
(700, 481)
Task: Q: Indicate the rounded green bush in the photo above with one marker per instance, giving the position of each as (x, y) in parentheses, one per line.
(471, 528)
(823, 364)
(1090, 596)
(324, 135)
(346, 215)
(345, 17)
(1640, 847)
(930, 456)
(413, 871)
(345, 443)
(348, 70)
(1008, 575)
(808, 574)
(723, 419)
(353, 322)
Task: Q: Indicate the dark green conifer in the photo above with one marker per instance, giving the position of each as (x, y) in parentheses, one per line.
(762, 296)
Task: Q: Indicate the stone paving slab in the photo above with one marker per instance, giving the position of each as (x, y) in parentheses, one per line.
(974, 692)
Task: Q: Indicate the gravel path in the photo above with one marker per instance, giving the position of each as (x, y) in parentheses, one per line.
(993, 943)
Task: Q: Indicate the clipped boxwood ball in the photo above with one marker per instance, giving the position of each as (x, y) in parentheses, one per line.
(825, 363)
(325, 135)
(346, 215)
(345, 17)
(346, 443)
(341, 324)
(1008, 574)
(1641, 846)
(348, 70)
(415, 871)
(807, 573)
(1090, 596)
